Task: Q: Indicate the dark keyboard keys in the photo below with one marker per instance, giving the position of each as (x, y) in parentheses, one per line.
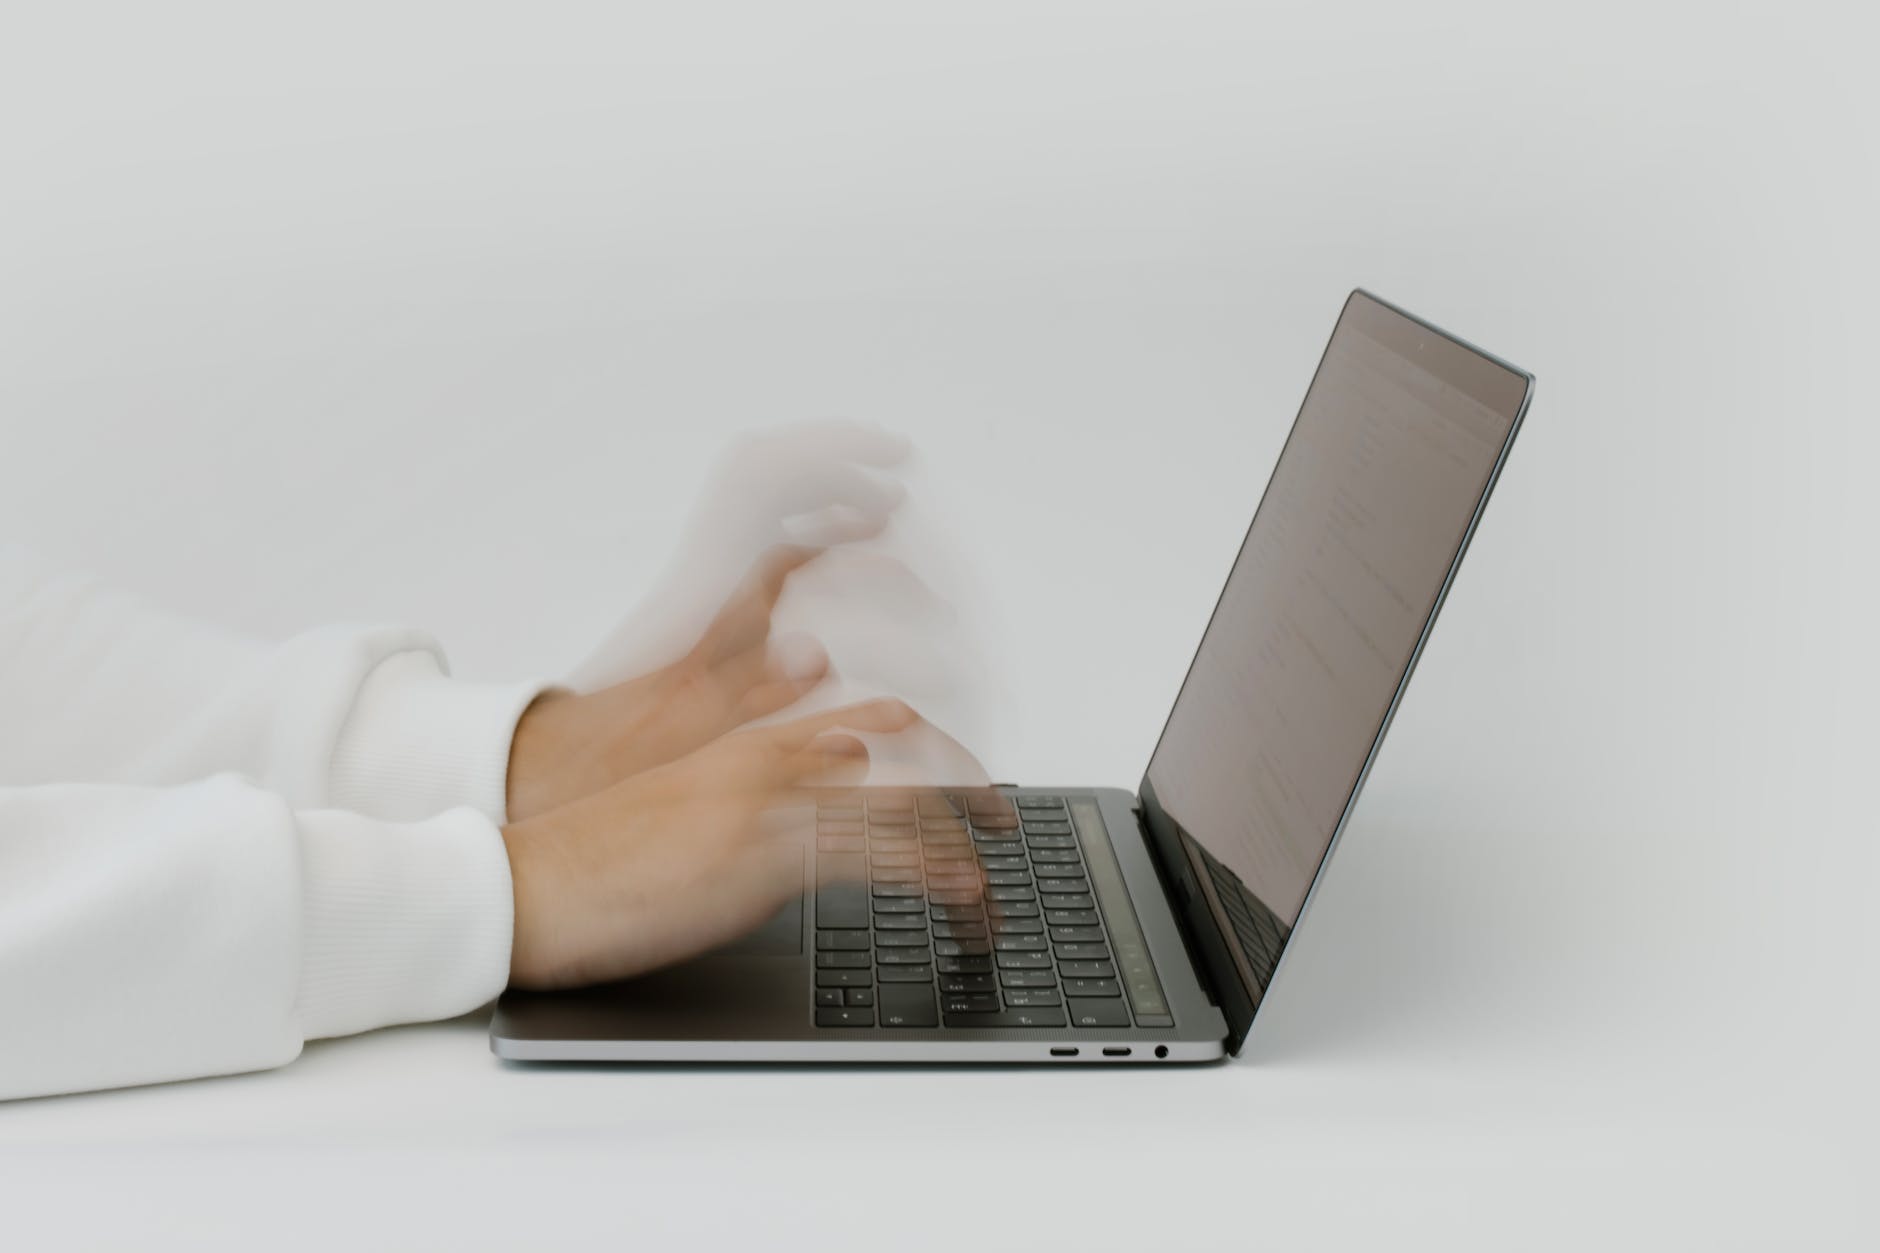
(1031, 998)
(957, 913)
(1017, 926)
(900, 905)
(842, 904)
(1063, 917)
(1091, 987)
(1098, 1011)
(964, 965)
(905, 974)
(1012, 909)
(1020, 943)
(1033, 1018)
(842, 941)
(829, 996)
(907, 1005)
(1010, 894)
(842, 961)
(970, 1003)
(844, 978)
(1075, 935)
(1079, 901)
(1078, 952)
(967, 983)
(1087, 970)
(1028, 978)
(1024, 961)
(900, 922)
(845, 1017)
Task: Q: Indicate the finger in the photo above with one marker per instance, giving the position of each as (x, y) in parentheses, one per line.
(791, 663)
(829, 761)
(824, 486)
(883, 715)
(745, 619)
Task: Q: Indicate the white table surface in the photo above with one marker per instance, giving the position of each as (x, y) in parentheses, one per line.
(437, 316)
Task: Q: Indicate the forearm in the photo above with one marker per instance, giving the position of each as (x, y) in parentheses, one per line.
(157, 934)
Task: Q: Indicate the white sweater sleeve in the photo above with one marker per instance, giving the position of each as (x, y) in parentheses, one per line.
(180, 893)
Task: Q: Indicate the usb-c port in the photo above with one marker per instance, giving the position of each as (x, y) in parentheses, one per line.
(1122, 1052)
(1063, 1052)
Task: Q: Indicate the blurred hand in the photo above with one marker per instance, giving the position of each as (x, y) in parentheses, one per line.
(568, 746)
(680, 859)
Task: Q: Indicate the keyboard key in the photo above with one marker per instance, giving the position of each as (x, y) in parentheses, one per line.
(858, 996)
(840, 844)
(844, 978)
(1059, 855)
(1074, 886)
(997, 839)
(1078, 901)
(995, 822)
(881, 860)
(1025, 961)
(895, 874)
(900, 922)
(902, 939)
(1087, 970)
(841, 828)
(1039, 802)
(939, 882)
(1017, 926)
(892, 890)
(970, 1003)
(967, 983)
(1010, 894)
(903, 956)
(1007, 878)
(964, 965)
(1082, 952)
(949, 855)
(907, 1005)
(1028, 978)
(1050, 841)
(1074, 935)
(842, 904)
(1046, 828)
(950, 897)
(1061, 917)
(845, 1017)
(1032, 998)
(828, 996)
(1012, 909)
(905, 974)
(1098, 1012)
(1005, 863)
(1020, 943)
(1092, 987)
(959, 930)
(842, 941)
(900, 905)
(1006, 1018)
(958, 913)
(960, 948)
(934, 806)
(842, 961)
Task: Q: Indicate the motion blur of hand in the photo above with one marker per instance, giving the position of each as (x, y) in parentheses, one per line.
(681, 858)
(650, 815)
(568, 746)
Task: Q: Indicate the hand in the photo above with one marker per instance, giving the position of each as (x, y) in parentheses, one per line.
(680, 859)
(568, 746)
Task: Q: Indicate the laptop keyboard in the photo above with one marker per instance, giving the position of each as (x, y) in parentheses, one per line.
(964, 910)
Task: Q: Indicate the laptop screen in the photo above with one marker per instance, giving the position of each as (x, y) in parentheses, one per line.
(1369, 505)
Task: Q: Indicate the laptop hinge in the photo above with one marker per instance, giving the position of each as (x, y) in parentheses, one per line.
(1209, 943)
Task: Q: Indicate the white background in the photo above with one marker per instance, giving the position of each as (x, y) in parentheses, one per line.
(436, 315)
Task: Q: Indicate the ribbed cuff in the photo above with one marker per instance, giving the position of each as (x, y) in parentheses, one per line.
(419, 742)
(402, 922)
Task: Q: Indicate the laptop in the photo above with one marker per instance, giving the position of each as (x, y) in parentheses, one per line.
(1072, 925)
